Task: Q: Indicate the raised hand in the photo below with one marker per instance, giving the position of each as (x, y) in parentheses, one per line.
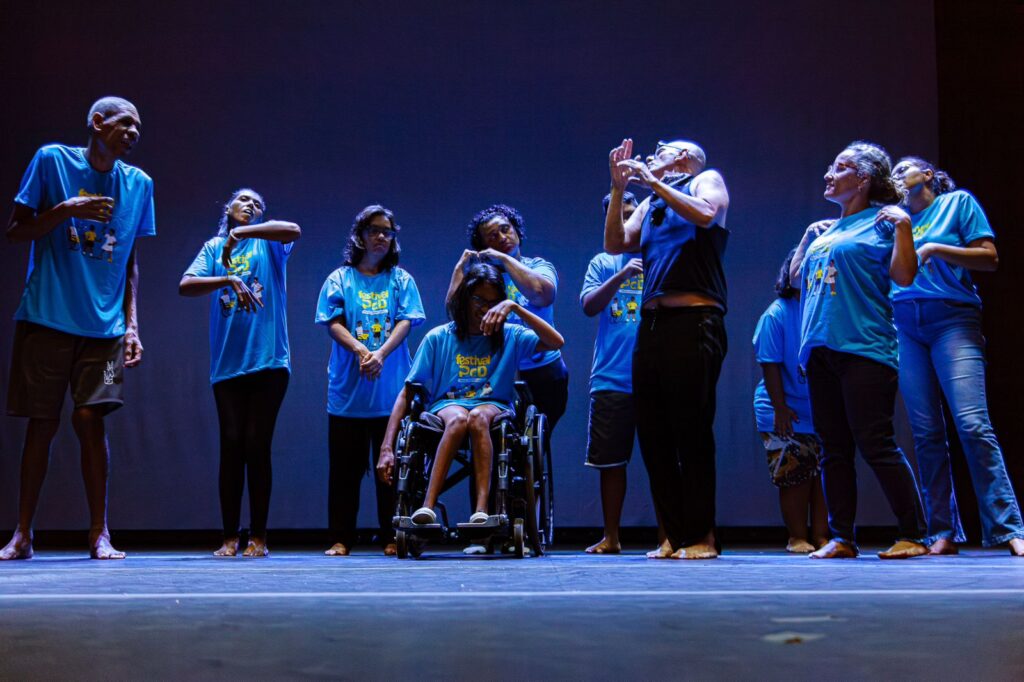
(247, 300)
(493, 256)
(620, 175)
(638, 170)
(634, 267)
(97, 209)
(496, 316)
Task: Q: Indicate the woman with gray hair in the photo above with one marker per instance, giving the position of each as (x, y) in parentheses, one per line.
(848, 345)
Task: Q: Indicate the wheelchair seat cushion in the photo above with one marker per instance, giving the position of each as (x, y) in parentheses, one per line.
(435, 423)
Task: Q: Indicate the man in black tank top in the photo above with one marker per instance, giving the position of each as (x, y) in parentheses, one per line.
(681, 341)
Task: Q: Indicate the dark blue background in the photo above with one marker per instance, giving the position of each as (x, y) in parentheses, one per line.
(437, 111)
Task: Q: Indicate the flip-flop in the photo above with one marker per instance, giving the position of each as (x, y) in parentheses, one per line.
(424, 516)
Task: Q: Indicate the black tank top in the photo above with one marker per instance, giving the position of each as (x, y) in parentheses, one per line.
(680, 256)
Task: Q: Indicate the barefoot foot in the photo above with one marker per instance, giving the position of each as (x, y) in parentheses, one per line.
(337, 549)
(835, 550)
(100, 547)
(944, 546)
(693, 552)
(904, 549)
(663, 551)
(606, 546)
(228, 549)
(391, 549)
(20, 547)
(257, 548)
(1017, 547)
(799, 546)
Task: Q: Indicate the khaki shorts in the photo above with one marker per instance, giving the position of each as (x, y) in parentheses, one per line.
(45, 362)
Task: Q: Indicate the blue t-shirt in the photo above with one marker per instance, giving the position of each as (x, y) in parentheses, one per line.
(369, 307)
(77, 272)
(547, 313)
(845, 290)
(954, 219)
(777, 340)
(241, 342)
(616, 331)
(469, 373)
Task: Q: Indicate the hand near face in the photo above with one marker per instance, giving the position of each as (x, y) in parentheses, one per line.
(620, 175)
(97, 209)
(638, 169)
(247, 301)
(492, 256)
(496, 316)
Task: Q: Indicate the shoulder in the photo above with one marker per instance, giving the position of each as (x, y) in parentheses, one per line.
(603, 260)
(710, 176)
(441, 331)
(958, 197)
(214, 243)
(134, 173)
(401, 275)
(534, 262)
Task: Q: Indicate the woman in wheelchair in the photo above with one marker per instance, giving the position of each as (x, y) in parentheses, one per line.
(468, 369)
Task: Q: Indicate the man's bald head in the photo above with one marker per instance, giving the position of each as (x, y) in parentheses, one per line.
(109, 106)
(693, 150)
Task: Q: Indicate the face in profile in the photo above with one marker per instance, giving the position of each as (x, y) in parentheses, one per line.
(842, 181)
(910, 177)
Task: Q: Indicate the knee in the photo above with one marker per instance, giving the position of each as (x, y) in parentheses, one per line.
(479, 422)
(86, 421)
(457, 424)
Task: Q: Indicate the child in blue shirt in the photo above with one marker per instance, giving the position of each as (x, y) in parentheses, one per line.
(468, 369)
(243, 271)
(783, 412)
(368, 306)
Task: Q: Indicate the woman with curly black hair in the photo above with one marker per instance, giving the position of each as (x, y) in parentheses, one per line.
(942, 355)
(848, 345)
(468, 369)
(243, 270)
(368, 306)
(495, 235)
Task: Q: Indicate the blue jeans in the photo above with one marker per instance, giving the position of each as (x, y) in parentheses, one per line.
(942, 355)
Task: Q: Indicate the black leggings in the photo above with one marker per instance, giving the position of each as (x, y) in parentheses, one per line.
(247, 408)
(549, 386)
(354, 447)
(676, 364)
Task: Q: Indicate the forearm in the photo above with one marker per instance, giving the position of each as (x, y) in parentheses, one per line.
(397, 413)
(272, 230)
(26, 225)
(538, 290)
(455, 281)
(614, 227)
(191, 285)
(398, 334)
(693, 209)
(131, 293)
(773, 384)
(903, 265)
(343, 337)
(983, 258)
(549, 338)
(798, 257)
(597, 300)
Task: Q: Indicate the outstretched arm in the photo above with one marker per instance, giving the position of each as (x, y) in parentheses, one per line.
(272, 230)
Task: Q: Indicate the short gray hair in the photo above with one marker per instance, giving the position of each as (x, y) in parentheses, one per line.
(107, 106)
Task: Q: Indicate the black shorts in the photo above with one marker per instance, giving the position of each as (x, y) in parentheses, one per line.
(45, 362)
(612, 429)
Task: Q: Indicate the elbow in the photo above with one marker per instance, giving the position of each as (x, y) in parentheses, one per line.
(558, 341)
(904, 279)
(613, 249)
(992, 263)
(183, 287)
(294, 232)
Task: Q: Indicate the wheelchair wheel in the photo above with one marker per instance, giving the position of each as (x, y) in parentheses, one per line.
(518, 540)
(402, 543)
(532, 511)
(545, 481)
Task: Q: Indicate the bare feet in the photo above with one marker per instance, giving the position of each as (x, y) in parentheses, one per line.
(820, 542)
(663, 551)
(20, 547)
(390, 549)
(699, 551)
(835, 550)
(944, 546)
(606, 546)
(337, 549)
(229, 548)
(257, 548)
(799, 546)
(100, 547)
(904, 549)
(1017, 547)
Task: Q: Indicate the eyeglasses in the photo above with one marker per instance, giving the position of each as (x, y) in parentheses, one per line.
(668, 145)
(836, 168)
(385, 232)
(481, 302)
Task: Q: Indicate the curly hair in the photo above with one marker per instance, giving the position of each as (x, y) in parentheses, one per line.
(783, 284)
(354, 250)
(941, 182)
(873, 162)
(476, 274)
(627, 198)
(227, 223)
(488, 214)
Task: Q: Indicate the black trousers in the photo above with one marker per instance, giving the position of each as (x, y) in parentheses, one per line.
(852, 402)
(550, 388)
(354, 448)
(247, 408)
(676, 362)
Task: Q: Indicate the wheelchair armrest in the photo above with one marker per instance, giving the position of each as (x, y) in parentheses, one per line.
(419, 399)
(523, 391)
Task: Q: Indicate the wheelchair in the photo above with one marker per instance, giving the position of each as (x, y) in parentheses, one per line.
(521, 504)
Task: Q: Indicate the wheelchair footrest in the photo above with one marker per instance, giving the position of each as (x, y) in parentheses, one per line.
(494, 522)
(407, 524)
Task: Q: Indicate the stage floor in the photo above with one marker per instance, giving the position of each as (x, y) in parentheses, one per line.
(751, 614)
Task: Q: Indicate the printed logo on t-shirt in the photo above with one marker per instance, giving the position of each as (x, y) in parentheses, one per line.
(241, 267)
(625, 306)
(374, 323)
(93, 240)
(472, 379)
